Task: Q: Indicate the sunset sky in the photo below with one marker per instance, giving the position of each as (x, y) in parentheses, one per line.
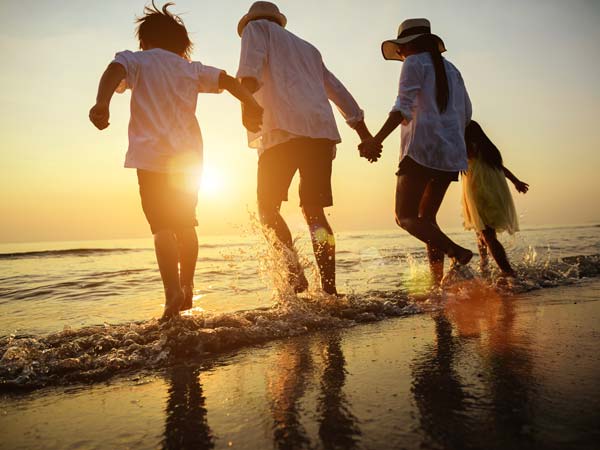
(531, 69)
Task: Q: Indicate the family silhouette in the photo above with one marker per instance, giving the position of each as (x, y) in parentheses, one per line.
(285, 90)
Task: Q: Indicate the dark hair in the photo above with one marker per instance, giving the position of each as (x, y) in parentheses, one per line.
(429, 43)
(479, 144)
(159, 28)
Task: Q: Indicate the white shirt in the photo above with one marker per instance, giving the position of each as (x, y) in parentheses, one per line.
(164, 135)
(432, 139)
(295, 87)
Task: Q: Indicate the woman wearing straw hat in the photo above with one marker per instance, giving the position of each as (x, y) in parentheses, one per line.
(434, 108)
(299, 133)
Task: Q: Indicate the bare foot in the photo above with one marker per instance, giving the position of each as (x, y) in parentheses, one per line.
(462, 255)
(188, 295)
(172, 305)
(298, 281)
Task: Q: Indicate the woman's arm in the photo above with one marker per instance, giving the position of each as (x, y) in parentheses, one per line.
(520, 186)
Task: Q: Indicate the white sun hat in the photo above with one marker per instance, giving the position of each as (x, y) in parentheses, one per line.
(262, 10)
(409, 30)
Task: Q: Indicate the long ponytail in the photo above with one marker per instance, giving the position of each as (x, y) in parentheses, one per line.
(429, 43)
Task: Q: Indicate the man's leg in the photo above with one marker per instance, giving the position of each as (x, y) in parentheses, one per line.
(323, 242)
(165, 246)
(187, 245)
(276, 168)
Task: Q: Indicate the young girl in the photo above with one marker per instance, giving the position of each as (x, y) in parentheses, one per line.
(487, 204)
(433, 107)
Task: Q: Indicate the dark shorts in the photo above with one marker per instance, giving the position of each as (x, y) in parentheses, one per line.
(168, 199)
(409, 166)
(278, 165)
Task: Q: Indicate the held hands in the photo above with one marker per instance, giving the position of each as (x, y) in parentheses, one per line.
(521, 186)
(370, 148)
(252, 116)
(99, 115)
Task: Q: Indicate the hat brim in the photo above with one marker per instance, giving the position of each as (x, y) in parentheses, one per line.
(278, 17)
(389, 48)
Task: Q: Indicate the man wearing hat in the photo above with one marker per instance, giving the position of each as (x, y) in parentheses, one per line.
(299, 132)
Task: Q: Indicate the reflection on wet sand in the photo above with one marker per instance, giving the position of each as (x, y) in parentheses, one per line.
(186, 423)
(483, 323)
(288, 381)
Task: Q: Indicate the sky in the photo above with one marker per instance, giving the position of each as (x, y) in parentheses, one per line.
(531, 69)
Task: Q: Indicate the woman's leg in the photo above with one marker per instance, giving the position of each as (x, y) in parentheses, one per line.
(428, 209)
(497, 251)
(409, 192)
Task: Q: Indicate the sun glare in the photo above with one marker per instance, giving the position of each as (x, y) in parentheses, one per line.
(211, 181)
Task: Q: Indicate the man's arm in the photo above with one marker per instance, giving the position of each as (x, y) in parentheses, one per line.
(251, 110)
(110, 80)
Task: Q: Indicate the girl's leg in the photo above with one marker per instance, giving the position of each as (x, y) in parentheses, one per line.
(409, 191)
(428, 209)
(497, 251)
(483, 254)
(165, 246)
(187, 243)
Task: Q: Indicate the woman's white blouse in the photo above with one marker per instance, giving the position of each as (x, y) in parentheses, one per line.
(432, 139)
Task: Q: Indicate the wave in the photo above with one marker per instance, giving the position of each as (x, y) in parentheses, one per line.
(100, 352)
(69, 252)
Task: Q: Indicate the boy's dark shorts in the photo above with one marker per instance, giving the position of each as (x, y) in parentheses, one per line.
(168, 199)
(409, 166)
(278, 165)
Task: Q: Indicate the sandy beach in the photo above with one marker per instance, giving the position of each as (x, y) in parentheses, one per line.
(487, 372)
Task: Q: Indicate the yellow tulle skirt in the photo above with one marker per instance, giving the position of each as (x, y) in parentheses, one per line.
(486, 200)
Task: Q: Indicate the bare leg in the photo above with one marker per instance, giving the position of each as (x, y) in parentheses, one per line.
(187, 242)
(323, 242)
(272, 220)
(497, 251)
(165, 246)
(428, 209)
(409, 192)
(483, 254)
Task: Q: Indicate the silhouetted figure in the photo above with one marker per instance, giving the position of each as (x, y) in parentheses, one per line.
(187, 426)
(434, 108)
(299, 133)
(165, 143)
(488, 207)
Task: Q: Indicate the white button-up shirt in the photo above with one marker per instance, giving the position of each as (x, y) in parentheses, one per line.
(432, 139)
(164, 135)
(295, 87)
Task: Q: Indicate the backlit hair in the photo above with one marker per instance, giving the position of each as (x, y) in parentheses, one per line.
(159, 28)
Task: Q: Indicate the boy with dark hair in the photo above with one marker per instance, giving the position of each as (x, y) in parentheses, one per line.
(165, 142)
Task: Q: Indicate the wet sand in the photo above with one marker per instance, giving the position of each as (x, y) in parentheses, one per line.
(486, 372)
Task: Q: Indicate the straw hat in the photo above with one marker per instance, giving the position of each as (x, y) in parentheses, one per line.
(408, 30)
(262, 10)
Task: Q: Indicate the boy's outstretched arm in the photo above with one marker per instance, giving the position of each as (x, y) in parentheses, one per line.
(520, 186)
(251, 111)
(112, 76)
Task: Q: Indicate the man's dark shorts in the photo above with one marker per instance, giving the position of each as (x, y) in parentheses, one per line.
(278, 165)
(168, 199)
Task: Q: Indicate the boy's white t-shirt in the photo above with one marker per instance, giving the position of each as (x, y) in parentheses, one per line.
(164, 134)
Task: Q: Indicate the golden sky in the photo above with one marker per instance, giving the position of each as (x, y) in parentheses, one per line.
(531, 69)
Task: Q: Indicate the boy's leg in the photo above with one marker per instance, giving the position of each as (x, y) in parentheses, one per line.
(165, 246)
(409, 191)
(187, 244)
(497, 251)
(323, 242)
(428, 209)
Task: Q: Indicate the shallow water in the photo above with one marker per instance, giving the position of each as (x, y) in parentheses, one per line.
(482, 371)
